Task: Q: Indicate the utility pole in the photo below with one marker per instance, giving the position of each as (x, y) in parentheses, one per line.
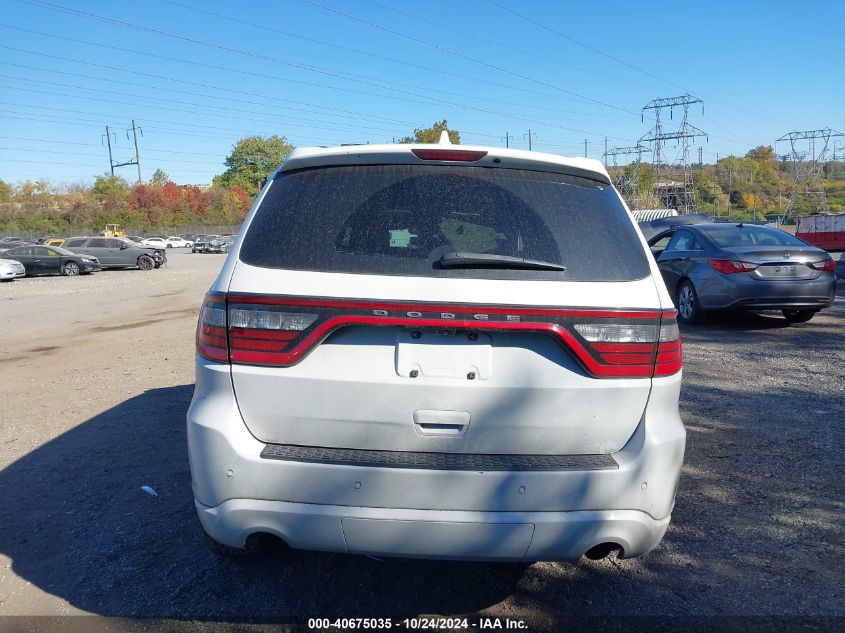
(137, 155)
(683, 195)
(507, 138)
(585, 148)
(529, 135)
(108, 140)
(137, 160)
(605, 151)
(700, 157)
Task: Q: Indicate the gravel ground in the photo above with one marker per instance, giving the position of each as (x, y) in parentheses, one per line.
(97, 375)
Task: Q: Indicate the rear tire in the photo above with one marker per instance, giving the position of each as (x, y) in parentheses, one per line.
(689, 307)
(70, 269)
(145, 262)
(799, 316)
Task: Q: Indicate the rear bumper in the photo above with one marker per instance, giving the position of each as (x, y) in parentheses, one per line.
(502, 536)
(432, 512)
(742, 292)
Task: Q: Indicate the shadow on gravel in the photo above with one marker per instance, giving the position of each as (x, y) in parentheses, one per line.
(75, 523)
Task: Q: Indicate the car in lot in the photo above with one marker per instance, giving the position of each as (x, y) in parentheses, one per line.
(438, 351)
(51, 260)
(117, 252)
(840, 267)
(55, 241)
(743, 267)
(219, 244)
(202, 242)
(12, 242)
(11, 269)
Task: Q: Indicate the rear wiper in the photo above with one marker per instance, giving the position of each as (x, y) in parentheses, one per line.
(462, 259)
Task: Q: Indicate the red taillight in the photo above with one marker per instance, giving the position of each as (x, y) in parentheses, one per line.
(280, 331)
(827, 265)
(211, 329)
(464, 155)
(729, 267)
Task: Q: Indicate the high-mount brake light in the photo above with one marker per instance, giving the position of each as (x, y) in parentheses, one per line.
(827, 265)
(728, 267)
(281, 331)
(463, 155)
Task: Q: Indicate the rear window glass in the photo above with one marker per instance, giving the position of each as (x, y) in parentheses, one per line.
(74, 243)
(750, 236)
(401, 219)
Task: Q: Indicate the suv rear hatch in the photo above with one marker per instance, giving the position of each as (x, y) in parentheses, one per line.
(365, 312)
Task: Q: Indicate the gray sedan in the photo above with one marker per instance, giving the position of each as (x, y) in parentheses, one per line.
(743, 267)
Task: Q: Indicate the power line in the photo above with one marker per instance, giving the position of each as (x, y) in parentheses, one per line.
(622, 61)
(466, 57)
(62, 9)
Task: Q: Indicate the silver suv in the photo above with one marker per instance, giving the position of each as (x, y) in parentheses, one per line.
(438, 351)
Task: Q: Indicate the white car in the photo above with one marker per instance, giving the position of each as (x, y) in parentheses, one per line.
(438, 351)
(11, 269)
(167, 242)
(174, 241)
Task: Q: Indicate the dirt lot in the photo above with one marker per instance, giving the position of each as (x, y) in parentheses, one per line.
(97, 375)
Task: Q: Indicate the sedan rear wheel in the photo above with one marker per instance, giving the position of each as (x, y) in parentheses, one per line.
(689, 308)
(70, 269)
(145, 262)
(799, 316)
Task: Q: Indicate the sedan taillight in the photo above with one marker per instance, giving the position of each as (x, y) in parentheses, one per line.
(729, 267)
(827, 265)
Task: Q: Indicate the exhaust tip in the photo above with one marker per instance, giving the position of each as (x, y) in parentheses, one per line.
(602, 550)
(266, 543)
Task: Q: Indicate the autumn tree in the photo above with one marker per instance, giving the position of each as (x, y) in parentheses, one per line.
(432, 134)
(5, 192)
(252, 161)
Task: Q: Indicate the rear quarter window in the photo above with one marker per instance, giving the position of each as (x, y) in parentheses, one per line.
(400, 219)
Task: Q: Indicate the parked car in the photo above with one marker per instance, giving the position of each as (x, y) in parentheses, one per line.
(11, 242)
(135, 238)
(840, 267)
(743, 267)
(117, 252)
(11, 269)
(219, 245)
(51, 260)
(56, 241)
(202, 242)
(438, 351)
(158, 242)
(174, 241)
(651, 228)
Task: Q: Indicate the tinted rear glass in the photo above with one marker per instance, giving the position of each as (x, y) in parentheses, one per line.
(400, 219)
(75, 243)
(750, 236)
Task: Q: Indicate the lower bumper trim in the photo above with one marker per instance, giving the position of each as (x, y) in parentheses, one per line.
(437, 461)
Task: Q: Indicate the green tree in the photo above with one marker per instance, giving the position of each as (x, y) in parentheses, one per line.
(252, 161)
(159, 178)
(5, 192)
(432, 134)
(110, 193)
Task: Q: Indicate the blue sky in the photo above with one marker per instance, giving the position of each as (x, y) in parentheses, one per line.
(196, 76)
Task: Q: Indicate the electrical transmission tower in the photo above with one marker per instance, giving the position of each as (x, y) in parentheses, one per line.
(134, 161)
(807, 191)
(627, 178)
(682, 194)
